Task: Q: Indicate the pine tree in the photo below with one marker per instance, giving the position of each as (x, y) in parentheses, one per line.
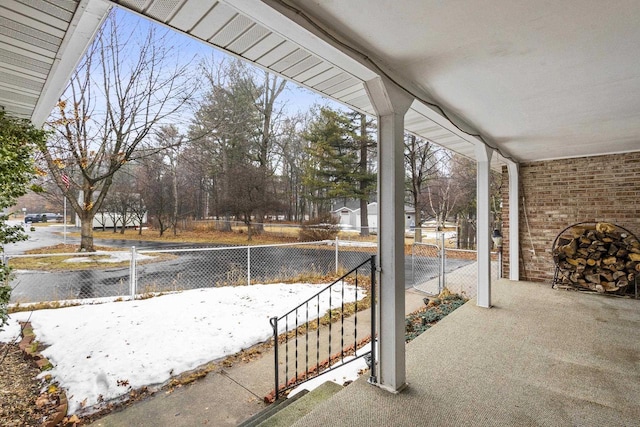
(335, 146)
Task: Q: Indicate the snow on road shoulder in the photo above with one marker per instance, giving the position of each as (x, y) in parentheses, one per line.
(100, 352)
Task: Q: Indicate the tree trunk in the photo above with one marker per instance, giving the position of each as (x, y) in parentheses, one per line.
(417, 232)
(174, 176)
(364, 218)
(86, 232)
(249, 235)
(364, 193)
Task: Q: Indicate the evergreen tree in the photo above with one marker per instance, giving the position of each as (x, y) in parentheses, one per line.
(335, 147)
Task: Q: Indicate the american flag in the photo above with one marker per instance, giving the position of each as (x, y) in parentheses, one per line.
(65, 180)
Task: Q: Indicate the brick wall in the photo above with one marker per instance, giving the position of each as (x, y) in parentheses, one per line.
(562, 192)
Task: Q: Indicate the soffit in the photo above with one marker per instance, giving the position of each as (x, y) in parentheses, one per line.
(41, 43)
(261, 35)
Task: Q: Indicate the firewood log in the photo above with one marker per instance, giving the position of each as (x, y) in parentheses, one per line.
(601, 257)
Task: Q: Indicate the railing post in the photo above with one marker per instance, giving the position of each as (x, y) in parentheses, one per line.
(372, 371)
(336, 254)
(248, 266)
(274, 325)
(443, 262)
(132, 273)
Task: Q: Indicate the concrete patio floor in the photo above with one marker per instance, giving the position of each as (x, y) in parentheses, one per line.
(538, 357)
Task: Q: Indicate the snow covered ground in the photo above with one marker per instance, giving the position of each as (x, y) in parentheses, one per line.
(102, 351)
(109, 257)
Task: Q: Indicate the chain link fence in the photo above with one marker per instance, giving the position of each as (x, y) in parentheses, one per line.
(436, 267)
(134, 272)
(79, 276)
(426, 268)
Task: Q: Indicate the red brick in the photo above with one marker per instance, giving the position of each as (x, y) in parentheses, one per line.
(562, 192)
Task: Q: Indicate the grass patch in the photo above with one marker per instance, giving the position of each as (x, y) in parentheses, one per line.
(237, 237)
(16, 308)
(49, 261)
(64, 249)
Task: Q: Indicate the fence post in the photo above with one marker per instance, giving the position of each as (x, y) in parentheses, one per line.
(336, 254)
(443, 261)
(248, 266)
(132, 273)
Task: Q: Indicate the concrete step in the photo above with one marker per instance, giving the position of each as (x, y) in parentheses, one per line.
(271, 410)
(292, 412)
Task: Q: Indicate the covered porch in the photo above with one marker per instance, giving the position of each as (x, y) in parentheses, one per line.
(538, 357)
(518, 86)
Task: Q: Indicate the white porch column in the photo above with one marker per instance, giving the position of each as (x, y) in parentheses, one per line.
(391, 104)
(483, 157)
(514, 220)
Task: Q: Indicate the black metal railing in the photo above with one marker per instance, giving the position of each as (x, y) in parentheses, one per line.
(305, 338)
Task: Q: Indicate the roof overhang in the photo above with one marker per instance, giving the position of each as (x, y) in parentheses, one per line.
(533, 82)
(41, 46)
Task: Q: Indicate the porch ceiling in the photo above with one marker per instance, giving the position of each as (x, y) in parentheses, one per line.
(539, 80)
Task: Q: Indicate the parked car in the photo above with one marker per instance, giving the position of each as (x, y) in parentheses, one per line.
(42, 217)
(33, 218)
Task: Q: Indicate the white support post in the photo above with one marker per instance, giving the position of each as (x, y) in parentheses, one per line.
(391, 103)
(483, 157)
(514, 221)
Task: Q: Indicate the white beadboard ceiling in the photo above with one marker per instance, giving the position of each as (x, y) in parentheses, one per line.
(537, 79)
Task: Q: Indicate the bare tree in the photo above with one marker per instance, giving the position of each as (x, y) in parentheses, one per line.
(124, 87)
(271, 89)
(226, 126)
(421, 165)
(170, 138)
(291, 152)
(443, 194)
(155, 182)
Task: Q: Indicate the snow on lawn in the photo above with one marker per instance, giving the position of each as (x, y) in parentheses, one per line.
(112, 257)
(94, 348)
(347, 370)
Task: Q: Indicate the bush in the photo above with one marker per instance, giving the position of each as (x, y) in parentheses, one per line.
(5, 294)
(324, 227)
(18, 139)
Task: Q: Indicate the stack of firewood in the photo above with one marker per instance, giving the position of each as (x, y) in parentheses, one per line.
(600, 257)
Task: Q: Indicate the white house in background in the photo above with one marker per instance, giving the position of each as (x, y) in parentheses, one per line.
(350, 218)
(345, 216)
